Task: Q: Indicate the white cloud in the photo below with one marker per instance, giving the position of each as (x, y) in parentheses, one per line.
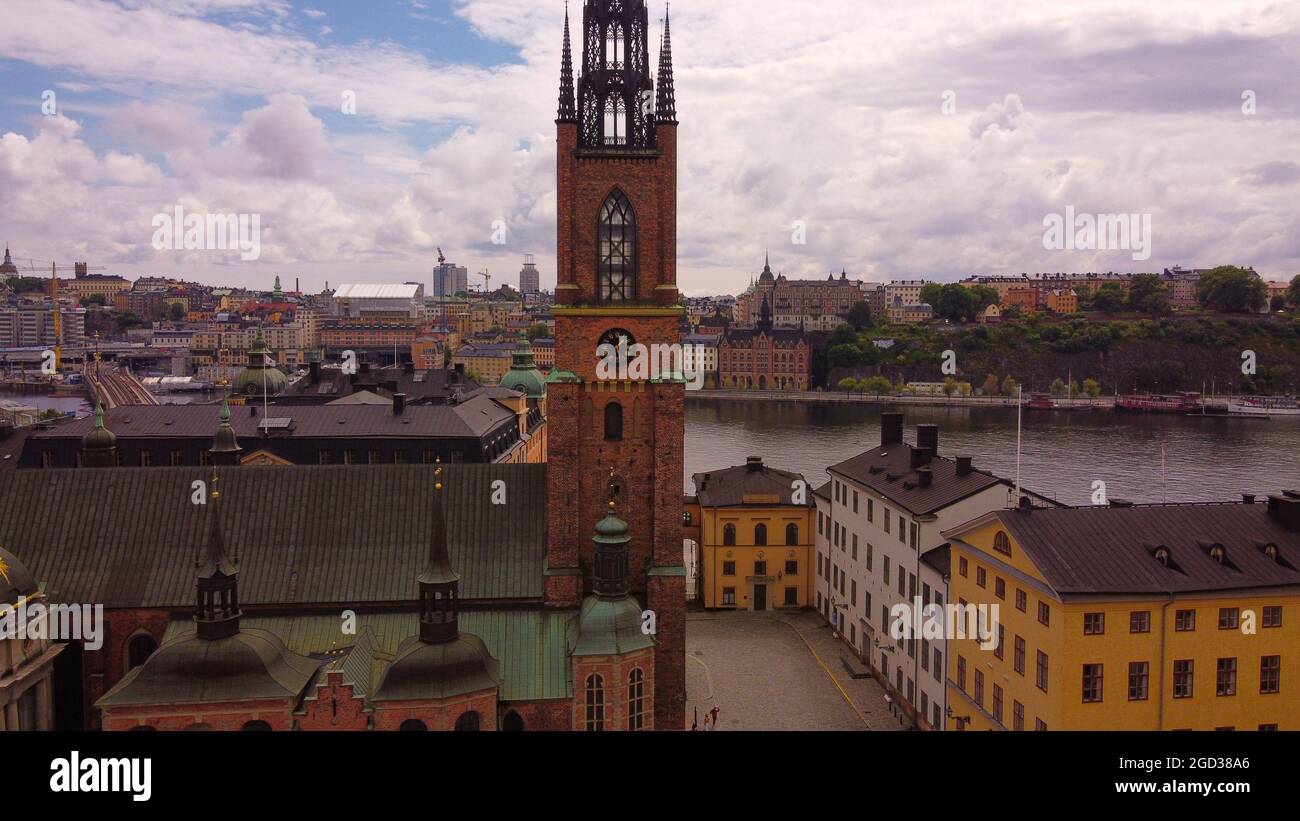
(815, 112)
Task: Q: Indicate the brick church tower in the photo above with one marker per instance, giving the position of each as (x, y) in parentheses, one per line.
(617, 281)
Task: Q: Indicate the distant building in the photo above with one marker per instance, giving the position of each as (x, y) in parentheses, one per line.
(530, 280)
(7, 268)
(764, 357)
(799, 303)
(1062, 301)
(488, 362)
(379, 302)
(449, 280)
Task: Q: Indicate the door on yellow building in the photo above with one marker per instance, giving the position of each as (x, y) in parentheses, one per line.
(760, 597)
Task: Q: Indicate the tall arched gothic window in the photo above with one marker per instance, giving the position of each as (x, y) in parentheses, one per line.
(616, 239)
(613, 422)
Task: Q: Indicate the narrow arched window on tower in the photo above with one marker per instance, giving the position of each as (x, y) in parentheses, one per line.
(613, 422)
(595, 703)
(616, 263)
(636, 700)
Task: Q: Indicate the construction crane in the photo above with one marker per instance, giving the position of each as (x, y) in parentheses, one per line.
(487, 281)
(56, 313)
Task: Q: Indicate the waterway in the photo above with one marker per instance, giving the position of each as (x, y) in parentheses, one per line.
(1062, 454)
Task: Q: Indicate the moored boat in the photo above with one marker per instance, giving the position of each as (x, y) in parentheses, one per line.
(1264, 406)
(1183, 402)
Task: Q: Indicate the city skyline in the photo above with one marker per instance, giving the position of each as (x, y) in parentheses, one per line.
(450, 141)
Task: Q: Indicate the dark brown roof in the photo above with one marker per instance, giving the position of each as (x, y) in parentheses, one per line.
(471, 419)
(431, 386)
(309, 534)
(1110, 549)
(939, 558)
(729, 486)
(887, 470)
(252, 664)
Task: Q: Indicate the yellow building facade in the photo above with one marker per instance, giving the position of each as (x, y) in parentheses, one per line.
(1221, 653)
(753, 528)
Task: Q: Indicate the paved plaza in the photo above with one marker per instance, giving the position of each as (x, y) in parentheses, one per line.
(776, 671)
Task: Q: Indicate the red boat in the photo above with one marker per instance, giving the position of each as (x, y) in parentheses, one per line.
(1184, 402)
(1041, 401)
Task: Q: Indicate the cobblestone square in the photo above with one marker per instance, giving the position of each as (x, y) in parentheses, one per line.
(776, 671)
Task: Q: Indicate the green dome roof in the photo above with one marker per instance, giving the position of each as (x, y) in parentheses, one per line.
(99, 437)
(610, 627)
(257, 374)
(523, 375)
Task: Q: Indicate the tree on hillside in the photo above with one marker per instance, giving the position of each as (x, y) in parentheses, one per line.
(949, 386)
(1092, 387)
(849, 385)
(1229, 289)
(1293, 292)
(1058, 387)
(991, 385)
(1148, 295)
(842, 335)
(860, 316)
(1009, 386)
(1109, 298)
(844, 356)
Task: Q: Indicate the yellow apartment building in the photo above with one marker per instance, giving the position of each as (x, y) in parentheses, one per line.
(1129, 617)
(753, 530)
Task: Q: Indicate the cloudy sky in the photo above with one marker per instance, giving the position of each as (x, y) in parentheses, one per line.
(919, 139)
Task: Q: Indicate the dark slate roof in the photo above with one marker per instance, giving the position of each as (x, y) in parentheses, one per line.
(1109, 549)
(424, 671)
(251, 664)
(420, 387)
(729, 486)
(824, 491)
(939, 558)
(874, 469)
(471, 419)
(305, 534)
(11, 446)
(781, 337)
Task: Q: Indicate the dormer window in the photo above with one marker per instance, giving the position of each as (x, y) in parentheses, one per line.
(1218, 553)
(1002, 543)
(1162, 555)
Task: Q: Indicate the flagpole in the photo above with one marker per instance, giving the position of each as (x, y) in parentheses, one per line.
(1020, 412)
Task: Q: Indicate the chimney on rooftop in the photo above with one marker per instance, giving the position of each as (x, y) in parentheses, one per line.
(925, 477)
(920, 457)
(927, 436)
(754, 464)
(399, 404)
(408, 368)
(1286, 509)
(315, 373)
(964, 467)
(891, 429)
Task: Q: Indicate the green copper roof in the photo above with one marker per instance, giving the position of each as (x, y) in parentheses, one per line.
(531, 645)
(523, 375)
(610, 627)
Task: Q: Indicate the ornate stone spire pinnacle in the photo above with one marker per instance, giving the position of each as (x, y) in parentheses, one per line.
(568, 111)
(665, 95)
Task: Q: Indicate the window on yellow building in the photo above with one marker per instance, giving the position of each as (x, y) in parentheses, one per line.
(1225, 677)
(961, 673)
(1270, 674)
(791, 567)
(760, 534)
(1019, 659)
(1044, 614)
(1185, 621)
(1184, 670)
(979, 687)
(1272, 616)
(1017, 716)
(1041, 673)
(1228, 618)
(728, 535)
(791, 596)
(1000, 587)
(729, 595)
(997, 703)
(1092, 680)
(1022, 600)
(728, 568)
(963, 567)
(1040, 725)
(1139, 621)
(760, 568)
(1139, 680)
(1094, 624)
(1001, 543)
(792, 537)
